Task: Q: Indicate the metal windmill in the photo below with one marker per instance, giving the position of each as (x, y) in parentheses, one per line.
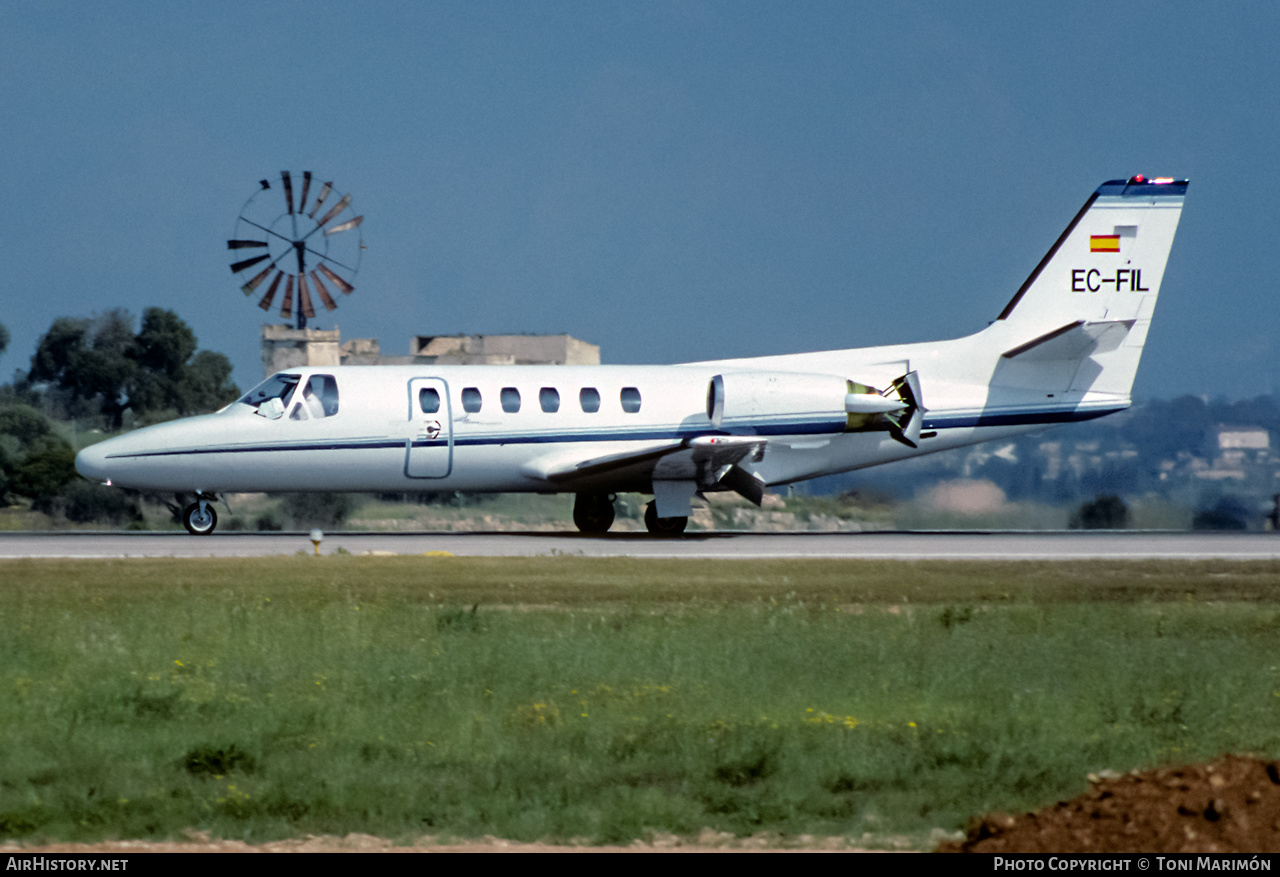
(297, 245)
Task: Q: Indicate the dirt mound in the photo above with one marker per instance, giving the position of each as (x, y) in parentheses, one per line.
(1229, 806)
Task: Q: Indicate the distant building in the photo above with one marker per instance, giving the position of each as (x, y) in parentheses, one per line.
(1232, 451)
(284, 347)
(1224, 438)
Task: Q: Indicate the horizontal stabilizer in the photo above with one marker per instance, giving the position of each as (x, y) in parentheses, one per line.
(1073, 341)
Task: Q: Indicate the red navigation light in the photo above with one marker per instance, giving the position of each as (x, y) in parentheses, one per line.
(1138, 179)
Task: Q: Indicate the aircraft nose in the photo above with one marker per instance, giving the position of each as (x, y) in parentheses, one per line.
(92, 463)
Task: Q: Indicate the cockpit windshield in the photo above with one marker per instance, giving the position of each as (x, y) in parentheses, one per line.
(279, 386)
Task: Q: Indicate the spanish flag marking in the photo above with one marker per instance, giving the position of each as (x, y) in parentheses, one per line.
(1104, 243)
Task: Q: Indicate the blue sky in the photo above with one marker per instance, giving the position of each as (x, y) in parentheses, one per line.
(672, 181)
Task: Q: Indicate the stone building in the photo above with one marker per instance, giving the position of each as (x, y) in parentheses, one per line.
(285, 347)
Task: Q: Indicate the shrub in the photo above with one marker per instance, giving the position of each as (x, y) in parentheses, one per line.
(1104, 513)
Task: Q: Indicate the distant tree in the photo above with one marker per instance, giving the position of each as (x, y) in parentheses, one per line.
(85, 502)
(44, 473)
(99, 365)
(1228, 513)
(34, 462)
(1103, 513)
(161, 350)
(206, 384)
(316, 509)
(89, 362)
(23, 423)
(4, 338)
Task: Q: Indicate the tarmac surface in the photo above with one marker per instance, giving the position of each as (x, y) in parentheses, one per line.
(951, 545)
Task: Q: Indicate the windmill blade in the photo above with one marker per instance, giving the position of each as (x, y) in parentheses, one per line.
(265, 304)
(324, 194)
(249, 287)
(350, 223)
(237, 267)
(288, 190)
(240, 245)
(286, 308)
(329, 303)
(335, 210)
(306, 187)
(346, 288)
(304, 298)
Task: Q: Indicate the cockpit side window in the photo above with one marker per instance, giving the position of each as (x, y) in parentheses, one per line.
(320, 395)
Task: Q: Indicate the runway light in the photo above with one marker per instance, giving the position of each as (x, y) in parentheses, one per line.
(316, 538)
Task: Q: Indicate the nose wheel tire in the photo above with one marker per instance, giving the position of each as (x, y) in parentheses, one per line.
(663, 526)
(199, 518)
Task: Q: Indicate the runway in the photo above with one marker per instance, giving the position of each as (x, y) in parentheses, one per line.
(975, 545)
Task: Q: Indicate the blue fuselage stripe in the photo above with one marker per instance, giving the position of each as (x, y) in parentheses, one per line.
(1016, 418)
(938, 421)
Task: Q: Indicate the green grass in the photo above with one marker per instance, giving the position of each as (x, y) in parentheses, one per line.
(567, 698)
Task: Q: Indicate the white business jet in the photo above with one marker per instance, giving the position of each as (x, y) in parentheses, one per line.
(1064, 349)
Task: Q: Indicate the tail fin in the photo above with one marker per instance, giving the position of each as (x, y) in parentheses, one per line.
(1090, 300)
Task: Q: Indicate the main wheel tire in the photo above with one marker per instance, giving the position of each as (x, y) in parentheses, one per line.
(593, 512)
(663, 526)
(199, 523)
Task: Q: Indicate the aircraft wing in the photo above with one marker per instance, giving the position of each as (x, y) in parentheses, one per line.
(709, 460)
(560, 468)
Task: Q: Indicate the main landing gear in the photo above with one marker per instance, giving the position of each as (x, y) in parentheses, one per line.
(593, 512)
(663, 526)
(199, 518)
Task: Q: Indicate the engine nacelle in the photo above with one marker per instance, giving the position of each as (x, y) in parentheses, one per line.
(777, 403)
(786, 403)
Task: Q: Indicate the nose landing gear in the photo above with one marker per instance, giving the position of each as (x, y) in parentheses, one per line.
(199, 518)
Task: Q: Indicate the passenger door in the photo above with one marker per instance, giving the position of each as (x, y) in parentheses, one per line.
(429, 451)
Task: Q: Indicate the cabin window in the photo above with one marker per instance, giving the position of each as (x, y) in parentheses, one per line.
(428, 400)
(590, 399)
(549, 399)
(471, 400)
(510, 398)
(630, 400)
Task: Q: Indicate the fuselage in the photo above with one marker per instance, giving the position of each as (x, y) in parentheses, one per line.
(504, 428)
